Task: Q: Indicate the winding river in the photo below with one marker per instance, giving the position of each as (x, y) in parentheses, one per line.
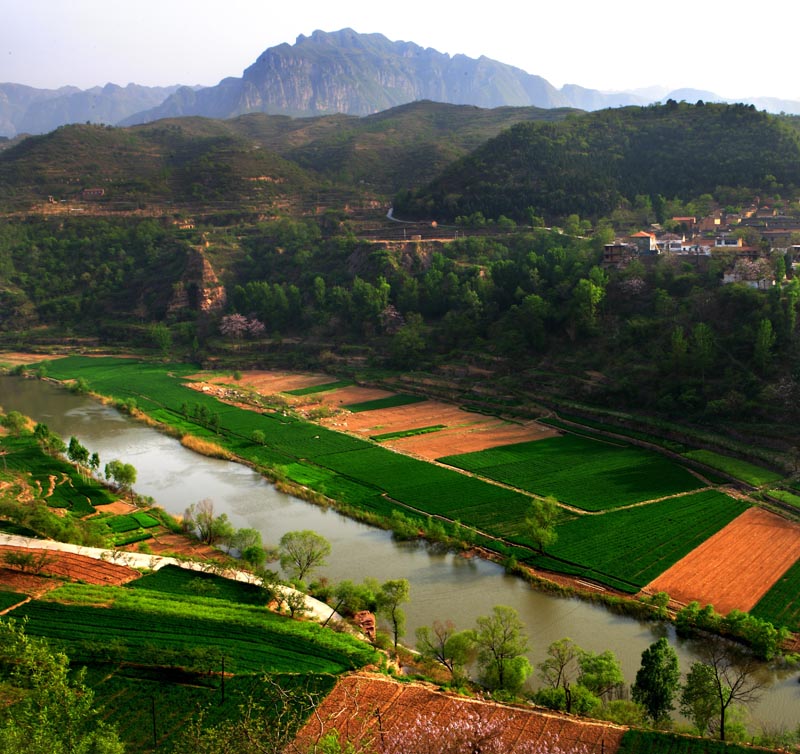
(443, 585)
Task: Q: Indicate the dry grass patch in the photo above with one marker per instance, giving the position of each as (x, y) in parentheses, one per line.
(206, 447)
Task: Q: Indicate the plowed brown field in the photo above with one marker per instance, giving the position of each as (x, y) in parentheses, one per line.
(363, 709)
(74, 567)
(269, 382)
(736, 567)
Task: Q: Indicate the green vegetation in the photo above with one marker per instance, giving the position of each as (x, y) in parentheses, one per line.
(8, 599)
(590, 474)
(70, 489)
(151, 625)
(781, 604)
(635, 741)
(715, 145)
(391, 401)
(629, 548)
(324, 388)
(737, 468)
(407, 433)
(785, 496)
(184, 701)
(172, 579)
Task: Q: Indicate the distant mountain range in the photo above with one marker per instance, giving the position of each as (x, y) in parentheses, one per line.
(327, 72)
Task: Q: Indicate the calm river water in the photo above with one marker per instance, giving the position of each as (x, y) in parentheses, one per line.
(443, 586)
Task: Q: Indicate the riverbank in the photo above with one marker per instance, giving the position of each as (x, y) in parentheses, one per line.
(370, 482)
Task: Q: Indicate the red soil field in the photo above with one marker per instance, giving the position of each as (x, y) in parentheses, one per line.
(471, 439)
(362, 707)
(464, 431)
(269, 382)
(736, 567)
(73, 567)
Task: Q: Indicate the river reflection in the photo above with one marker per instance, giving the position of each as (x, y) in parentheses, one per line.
(443, 585)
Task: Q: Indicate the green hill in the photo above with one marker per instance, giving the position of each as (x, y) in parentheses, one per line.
(589, 163)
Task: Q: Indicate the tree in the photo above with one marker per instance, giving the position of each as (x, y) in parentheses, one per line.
(250, 546)
(501, 642)
(702, 348)
(698, 696)
(77, 453)
(724, 676)
(52, 711)
(765, 340)
(562, 659)
(657, 679)
(451, 649)
(392, 594)
(541, 521)
(15, 422)
(48, 441)
(162, 337)
(209, 527)
(300, 552)
(123, 474)
(600, 673)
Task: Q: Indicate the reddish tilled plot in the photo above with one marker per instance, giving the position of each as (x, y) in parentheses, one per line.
(74, 567)
(471, 439)
(415, 718)
(736, 567)
(463, 431)
(271, 382)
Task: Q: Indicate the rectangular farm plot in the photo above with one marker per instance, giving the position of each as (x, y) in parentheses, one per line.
(629, 548)
(432, 489)
(586, 473)
(736, 567)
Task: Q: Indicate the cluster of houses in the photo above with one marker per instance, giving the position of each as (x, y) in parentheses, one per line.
(702, 239)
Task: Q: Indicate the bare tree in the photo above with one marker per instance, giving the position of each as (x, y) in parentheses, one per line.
(725, 676)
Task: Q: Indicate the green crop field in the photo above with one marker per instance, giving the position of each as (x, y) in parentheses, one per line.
(628, 548)
(747, 472)
(8, 599)
(407, 433)
(252, 638)
(319, 388)
(172, 579)
(657, 742)
(580, 471)
(785, 496)
(781, 604)
(391, 401)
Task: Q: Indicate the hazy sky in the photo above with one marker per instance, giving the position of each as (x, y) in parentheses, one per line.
(732, 48)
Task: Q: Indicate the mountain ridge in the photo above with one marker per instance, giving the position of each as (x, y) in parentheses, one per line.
(325, 73)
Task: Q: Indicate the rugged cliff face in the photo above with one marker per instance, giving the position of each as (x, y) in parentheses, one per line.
(199, 288)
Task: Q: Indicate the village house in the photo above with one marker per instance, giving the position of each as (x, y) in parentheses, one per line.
(645, 242)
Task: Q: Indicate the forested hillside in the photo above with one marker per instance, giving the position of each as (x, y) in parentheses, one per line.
(589, 163)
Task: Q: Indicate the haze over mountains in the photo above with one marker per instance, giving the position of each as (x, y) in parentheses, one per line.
(327, 72)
